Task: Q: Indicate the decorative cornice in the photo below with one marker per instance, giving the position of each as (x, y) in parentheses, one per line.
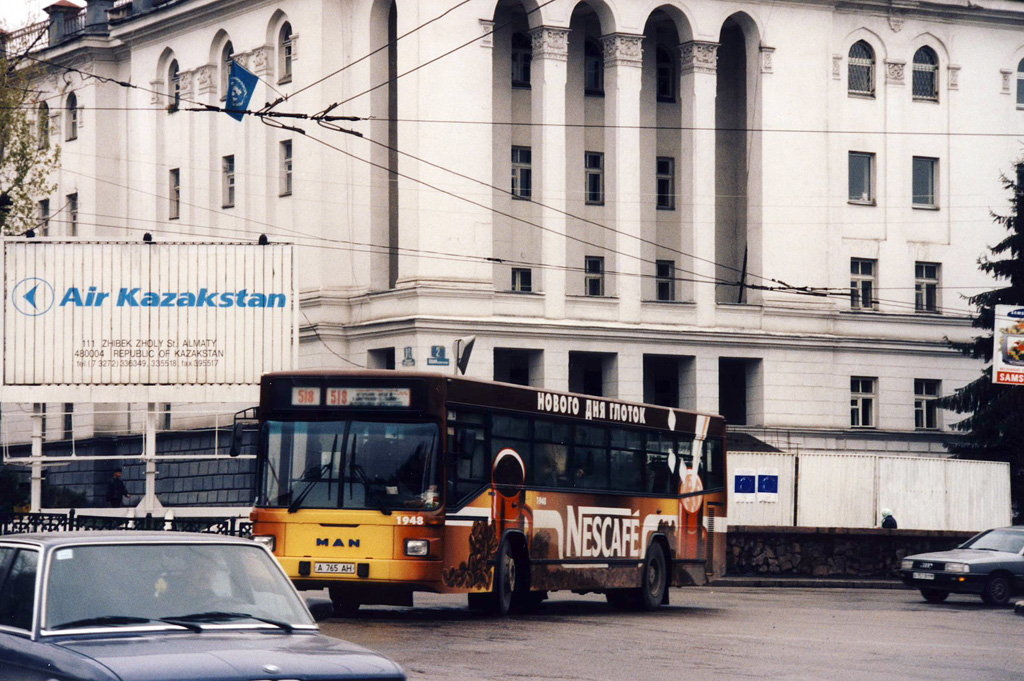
(487, 30)
(1006, 73)
(259, 60)
(894, 72)
(698, 57)
(766, 58)
(623, 49)
(550, 43)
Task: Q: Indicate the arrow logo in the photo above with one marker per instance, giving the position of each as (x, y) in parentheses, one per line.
(32, 297)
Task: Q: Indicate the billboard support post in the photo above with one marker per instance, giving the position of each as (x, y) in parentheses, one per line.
(150, 503)
(36, 489)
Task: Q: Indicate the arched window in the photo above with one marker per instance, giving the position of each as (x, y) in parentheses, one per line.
(1020, 84)
(43, 125)
(926, 74)
(225, 68)
(71, 118)
(666, 74)
(285, 53)
(522, 55)
(593, 64)
(861, 73)
(173, 87)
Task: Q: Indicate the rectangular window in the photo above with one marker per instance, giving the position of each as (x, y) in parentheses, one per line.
(666, 178)
(862, 284)
(227, 192)
(73, 214)
(285, 180)
(18, 589)
(862, 402)
(593, 163)
(593, 278)
(44, 217)
(69, 420)
(522, 56)
(665, 279)
(925, 175)
(174, 193)
(522, 279)
(926, 411)
(860, 180)
(522, 179)
(926, 287)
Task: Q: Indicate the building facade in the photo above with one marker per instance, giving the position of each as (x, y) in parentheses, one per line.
(768, 210)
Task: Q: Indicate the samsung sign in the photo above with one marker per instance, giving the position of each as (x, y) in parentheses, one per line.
(114, 313)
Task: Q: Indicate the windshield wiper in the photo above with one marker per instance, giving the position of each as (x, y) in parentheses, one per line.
(371, 493)
(317, 477)
(103, 620)
(215, 616)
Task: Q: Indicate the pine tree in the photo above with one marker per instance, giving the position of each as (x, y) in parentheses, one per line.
(994, 427)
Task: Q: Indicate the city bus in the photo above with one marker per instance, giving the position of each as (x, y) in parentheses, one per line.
(378, 484)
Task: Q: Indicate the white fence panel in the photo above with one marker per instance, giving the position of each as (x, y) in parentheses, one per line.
(836, 490)
(977, 495)
(914, 489)
(761, 511)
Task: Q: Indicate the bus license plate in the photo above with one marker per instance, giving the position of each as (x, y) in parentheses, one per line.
(335, 568)
(924, 575)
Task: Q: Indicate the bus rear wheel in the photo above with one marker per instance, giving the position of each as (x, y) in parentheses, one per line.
(509, 589)
(344, 604)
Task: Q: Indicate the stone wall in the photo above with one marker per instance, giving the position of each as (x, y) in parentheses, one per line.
(829, 551)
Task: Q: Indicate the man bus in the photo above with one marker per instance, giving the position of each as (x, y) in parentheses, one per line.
(377, 484)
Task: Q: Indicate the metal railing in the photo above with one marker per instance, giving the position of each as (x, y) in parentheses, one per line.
(21, 523)
(32, 37)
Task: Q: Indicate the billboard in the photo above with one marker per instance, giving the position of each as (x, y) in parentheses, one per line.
(1008, 353)
(92, 313)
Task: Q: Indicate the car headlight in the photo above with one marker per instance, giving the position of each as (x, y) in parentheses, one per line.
(906, 564)
(267, 540)
(417, 547)
(958, 567)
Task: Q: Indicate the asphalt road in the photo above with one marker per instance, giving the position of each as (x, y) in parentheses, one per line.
(707, 633)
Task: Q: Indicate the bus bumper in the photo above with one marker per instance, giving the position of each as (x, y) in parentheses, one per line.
(422, 575)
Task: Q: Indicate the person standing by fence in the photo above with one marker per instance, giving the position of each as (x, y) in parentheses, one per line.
(116, 491)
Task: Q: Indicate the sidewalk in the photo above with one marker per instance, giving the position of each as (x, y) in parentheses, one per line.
(808, 582)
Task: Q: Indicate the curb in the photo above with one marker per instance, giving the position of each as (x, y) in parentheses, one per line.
(814, 583)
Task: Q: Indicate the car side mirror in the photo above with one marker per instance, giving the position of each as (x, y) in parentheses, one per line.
(320, 608)
(236, 438)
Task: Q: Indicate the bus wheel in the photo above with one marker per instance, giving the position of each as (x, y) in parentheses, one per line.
(508, 582)
(654, 579)
(344, 604)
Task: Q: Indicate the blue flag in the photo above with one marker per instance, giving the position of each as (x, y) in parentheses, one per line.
(241, 83)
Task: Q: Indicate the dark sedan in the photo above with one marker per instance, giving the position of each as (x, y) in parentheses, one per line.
(990, 564)
(139, 606)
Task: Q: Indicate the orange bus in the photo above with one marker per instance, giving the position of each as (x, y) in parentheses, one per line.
(378, 484)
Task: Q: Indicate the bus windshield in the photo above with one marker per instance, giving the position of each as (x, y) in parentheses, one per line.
(350, 464)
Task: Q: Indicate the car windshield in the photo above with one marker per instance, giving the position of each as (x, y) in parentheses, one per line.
(117, 585)
(351, 464)
(997, 540)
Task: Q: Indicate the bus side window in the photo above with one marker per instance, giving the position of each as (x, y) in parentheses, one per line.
(551, 454)
(712, 465)
(470, 462)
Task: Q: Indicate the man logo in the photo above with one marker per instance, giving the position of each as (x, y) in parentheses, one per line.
(32, 297)
(325, 541)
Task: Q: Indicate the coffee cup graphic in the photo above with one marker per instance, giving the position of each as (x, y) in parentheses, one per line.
(1012, 348)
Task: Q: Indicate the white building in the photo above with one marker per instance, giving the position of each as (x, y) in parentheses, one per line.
(683, 175)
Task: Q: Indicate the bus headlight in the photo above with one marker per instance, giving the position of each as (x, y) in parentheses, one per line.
(958, 567)
(417, 547)
(267, 540)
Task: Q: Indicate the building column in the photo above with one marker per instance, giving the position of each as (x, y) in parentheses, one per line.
(623, 62)
(547, 93)
(698, 85)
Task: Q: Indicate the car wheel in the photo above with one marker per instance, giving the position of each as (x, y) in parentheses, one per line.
(997, 590)
(344, 604)
(934, 595)
(654, 578)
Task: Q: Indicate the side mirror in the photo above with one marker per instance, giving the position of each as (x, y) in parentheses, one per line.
(236, 438)
(320, 608)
